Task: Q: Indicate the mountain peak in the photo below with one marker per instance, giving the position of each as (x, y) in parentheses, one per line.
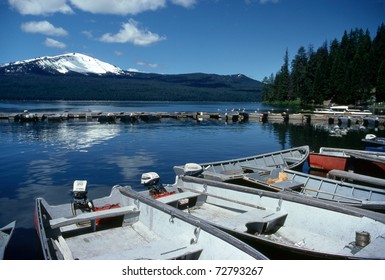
(63, 64)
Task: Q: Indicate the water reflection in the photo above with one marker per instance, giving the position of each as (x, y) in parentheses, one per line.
(67, 135)
(43, 159)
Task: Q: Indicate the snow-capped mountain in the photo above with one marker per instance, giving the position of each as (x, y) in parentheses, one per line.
(62, 64)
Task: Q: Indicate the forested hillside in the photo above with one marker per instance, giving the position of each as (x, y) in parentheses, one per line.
(135, 87)
(346, 71)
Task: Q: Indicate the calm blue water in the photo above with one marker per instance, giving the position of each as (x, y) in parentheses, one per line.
(43, 159)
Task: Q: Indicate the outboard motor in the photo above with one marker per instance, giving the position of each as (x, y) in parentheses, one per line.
(79, 196)
(192, 169)
(152, 181)
(370, 136)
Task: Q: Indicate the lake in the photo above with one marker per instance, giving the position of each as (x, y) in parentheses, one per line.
(43, 159)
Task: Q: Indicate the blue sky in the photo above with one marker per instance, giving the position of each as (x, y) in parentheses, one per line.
(181, 36)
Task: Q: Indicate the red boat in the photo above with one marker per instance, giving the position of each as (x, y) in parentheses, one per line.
(328, 159)
(363, 162)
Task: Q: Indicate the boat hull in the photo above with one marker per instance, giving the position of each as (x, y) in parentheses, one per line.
(370, 168)
(328, 162)
(129, 227)
(6, 233)
(293, 158)
(296, 234)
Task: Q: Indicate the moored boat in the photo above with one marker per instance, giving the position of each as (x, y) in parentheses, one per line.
(340, 191)
(359, 161)
(282, 225)
(328, 159)
(229, 169)
(343, 110)
(126, 225)
(6, 233)
(372, 140)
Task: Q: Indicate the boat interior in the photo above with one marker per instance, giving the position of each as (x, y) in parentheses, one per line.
(276, 220)
(84, 235)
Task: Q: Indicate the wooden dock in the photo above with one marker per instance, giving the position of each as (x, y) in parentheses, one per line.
(298, 118)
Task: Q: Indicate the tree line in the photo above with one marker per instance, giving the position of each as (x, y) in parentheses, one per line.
(193, 87)
(349, 71)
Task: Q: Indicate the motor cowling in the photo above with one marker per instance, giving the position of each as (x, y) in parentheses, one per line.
(370, 136)
(150, 179)
(192, 169)
(79, 195)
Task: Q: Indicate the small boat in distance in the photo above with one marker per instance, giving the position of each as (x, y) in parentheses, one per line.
(342, 110)
(128, 226)
(5, 236)
(282, 225)
(228, 170)
(372, 140)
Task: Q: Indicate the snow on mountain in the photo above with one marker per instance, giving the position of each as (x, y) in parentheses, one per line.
(65, 63)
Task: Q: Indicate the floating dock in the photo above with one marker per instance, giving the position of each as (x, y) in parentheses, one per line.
(297, 118)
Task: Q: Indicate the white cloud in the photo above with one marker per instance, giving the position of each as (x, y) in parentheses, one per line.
(51, 43)
(147, 65)
(43, 27)
(130, 33)
(114, 7)
(261, 1)
(88, 34)
(268, 1)
(184, 3)
(118, 7)
(40, 7)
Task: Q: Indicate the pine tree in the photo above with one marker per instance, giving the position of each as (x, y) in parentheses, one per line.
(298, 73)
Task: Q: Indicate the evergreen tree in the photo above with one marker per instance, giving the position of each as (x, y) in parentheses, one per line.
(298, 74)
(337, 70)
(282, 81)
(360, 79)
(350, 71)
(268, 88)
(321, 87)
(380, 90)
(377, 62)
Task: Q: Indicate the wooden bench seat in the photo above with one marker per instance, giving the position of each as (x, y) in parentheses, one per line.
(178, 196)
(260, 221)
(92, 216)
(291, 159)
(280, 186)
(256, 168)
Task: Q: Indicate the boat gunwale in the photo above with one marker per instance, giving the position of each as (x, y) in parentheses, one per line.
(128, 192)
(292, 197)
(299, 162)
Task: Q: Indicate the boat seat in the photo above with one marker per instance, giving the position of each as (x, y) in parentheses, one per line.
(258, 168)
(61, 246)
(292, 159)
(219, 176)
(256, 221)
(159, 250)
(177, 196)
(280, 186)
(92, 216)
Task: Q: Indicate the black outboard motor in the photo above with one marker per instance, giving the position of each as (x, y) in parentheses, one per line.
(79, 197)
(152, 181)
